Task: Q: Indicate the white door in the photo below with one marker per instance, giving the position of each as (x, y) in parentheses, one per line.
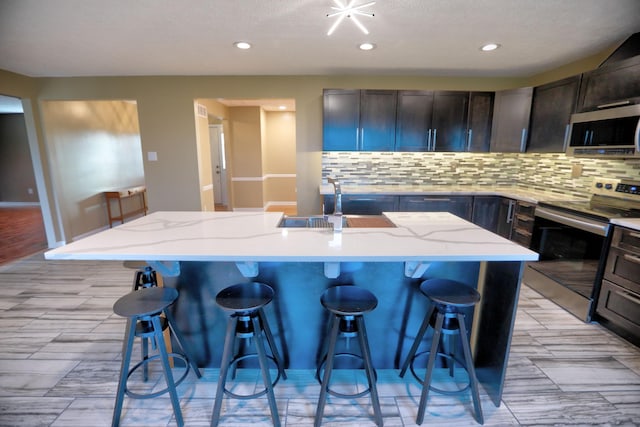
(218, 163)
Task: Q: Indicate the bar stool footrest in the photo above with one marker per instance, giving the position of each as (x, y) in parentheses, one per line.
(260, 393)
(178, 356)
(431, 387)
(335, 393)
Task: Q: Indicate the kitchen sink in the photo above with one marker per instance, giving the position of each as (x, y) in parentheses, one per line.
(350, 221)
(307, 222)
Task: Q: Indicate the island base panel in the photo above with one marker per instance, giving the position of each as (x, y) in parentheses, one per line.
(299, 321)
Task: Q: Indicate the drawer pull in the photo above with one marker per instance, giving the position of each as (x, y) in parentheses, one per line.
(631, 258)
(432, 199)
(628, 297)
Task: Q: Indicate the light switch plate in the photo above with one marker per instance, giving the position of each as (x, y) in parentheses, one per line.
(152, 156)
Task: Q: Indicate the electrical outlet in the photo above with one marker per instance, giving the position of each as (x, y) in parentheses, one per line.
(576, 171)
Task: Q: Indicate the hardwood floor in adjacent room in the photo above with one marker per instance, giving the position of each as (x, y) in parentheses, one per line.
(60, 345)
(21, 232)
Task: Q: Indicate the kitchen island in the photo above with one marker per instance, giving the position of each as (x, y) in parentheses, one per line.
(200, 253)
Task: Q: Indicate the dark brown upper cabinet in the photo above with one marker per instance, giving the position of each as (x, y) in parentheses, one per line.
(359, 120)
(479, 122)
(443, 121)
(611, 85)
(551, 110)
(450, 110)
(413, 121)
(511, 115)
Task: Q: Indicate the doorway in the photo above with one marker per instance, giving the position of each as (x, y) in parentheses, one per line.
(219, 164)
(22, 228)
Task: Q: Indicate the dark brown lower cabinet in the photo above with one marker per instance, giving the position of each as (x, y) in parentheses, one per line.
(618, 305)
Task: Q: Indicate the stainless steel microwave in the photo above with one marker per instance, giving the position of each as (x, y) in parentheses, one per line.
(613, 132)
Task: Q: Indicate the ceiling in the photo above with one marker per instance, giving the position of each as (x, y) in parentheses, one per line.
(412, 37)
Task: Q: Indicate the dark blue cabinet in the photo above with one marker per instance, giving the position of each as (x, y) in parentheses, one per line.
(359, 120)
(461, 206)
(362, 204)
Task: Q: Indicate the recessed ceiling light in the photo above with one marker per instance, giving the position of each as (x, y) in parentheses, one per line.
(367, 46)
(242, 45)
(489, 47)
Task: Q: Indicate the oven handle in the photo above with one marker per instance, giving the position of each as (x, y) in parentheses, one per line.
(584, 224)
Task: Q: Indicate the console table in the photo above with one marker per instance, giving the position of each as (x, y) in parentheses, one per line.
(127, 193)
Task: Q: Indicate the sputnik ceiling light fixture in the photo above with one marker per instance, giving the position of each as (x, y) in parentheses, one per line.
(349, 11)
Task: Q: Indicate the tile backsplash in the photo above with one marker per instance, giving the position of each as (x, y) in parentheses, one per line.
(538, 171)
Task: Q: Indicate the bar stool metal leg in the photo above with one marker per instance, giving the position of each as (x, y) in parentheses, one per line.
(416, 342)
(272, 342)
(473, 380)
(124, 372)
(264, 367)
(432, 359)
(324, 389)
(368, 365)
(167, 371)
(224, 368)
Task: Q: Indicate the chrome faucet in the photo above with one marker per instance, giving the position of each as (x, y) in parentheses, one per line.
(337, 192)
(336, 217)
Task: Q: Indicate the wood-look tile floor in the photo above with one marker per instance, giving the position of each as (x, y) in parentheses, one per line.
(60, 355)
(21, 232)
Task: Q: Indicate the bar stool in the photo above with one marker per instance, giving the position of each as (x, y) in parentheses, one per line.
(247, 320)
(445, 316)
(144, 308)
(145, 277)
(347, 304)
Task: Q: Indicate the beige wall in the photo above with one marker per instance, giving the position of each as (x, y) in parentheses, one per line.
(246, 157)
(205, 173)
(280, 158)
(93, 146)
(166, 118)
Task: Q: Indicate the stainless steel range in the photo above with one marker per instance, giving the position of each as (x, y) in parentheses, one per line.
(573, 238)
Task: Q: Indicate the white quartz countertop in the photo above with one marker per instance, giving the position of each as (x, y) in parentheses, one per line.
(633, 223)
(254, 236)
(532, 196)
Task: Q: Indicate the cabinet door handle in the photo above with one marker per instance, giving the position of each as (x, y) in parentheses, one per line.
(432, 199)
(362, 139)
(510, 211)
(614, 104)
(357, 138)
(590, 138)
(631, 258)
(469, 136)
(628, 297)
(435, 139)
(429, 140)
(523, 140)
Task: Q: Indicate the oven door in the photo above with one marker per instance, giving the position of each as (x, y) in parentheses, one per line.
(572, 250)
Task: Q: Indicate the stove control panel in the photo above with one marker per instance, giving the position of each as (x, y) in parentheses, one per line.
(631, 189)
(620, 188)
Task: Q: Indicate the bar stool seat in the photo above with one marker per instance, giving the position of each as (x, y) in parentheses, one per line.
(445, 315)
(144, 309)
(347, 304)
(245, 303)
